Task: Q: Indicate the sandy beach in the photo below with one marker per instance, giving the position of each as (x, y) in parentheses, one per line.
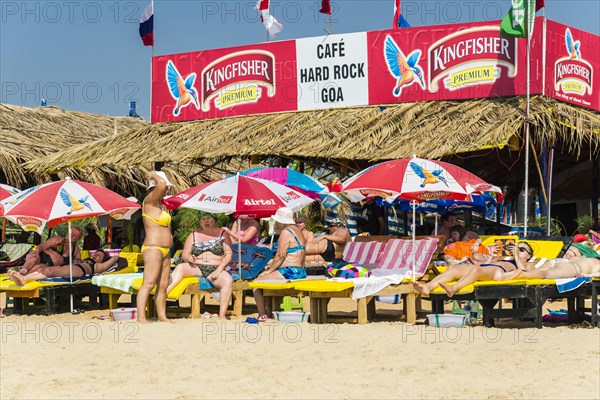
(81, 357)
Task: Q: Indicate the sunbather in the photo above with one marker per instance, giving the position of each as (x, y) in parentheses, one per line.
(207, 251)
(156, 247)
(301, 224)
(557, 268)
(249, 231)
(288, 262)
(98, 263)
(46, 255)
(493, 269)
(330, 246)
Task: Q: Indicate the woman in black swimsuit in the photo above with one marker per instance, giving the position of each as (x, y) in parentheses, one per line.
(98, 263)
(207, 251)
(465, 274)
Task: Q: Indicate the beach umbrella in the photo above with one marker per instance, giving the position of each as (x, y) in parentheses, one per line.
(298, 181)
(6, 191)
(243, 196)
(64, 201)
(417, 180)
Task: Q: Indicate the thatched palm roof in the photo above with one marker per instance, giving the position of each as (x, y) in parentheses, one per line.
(28, 134)
(428, 129)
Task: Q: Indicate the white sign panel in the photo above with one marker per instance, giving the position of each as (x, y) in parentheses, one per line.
(332, 71)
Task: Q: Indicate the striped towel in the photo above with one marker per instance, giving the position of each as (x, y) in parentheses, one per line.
(364, 253)
(120, 282)
(568, 284)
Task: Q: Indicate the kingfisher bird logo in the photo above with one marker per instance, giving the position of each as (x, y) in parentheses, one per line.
(429, 177)
(402, 68)
(182, 90)
(572, 74)
(70, 201)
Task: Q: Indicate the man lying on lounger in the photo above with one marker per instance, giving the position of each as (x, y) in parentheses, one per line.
(99, 262)
(46, 255)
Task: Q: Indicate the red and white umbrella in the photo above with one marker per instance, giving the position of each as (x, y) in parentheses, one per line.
(417, 179)
(67, 200)
(7, 191)
(242, 196)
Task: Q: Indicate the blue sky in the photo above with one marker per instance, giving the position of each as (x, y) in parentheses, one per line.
(87, 55)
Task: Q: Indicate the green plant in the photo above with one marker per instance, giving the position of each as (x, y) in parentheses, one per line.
(584, 223)
(129, 230)
(556, 227)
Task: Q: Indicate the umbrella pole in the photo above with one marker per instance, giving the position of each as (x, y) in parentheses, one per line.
(239, 233)
(436, 224)
(71, 265)
(414, 227)
(3, 228)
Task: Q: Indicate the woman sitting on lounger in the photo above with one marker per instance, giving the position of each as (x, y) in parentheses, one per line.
(98, 263)
(249, 231)
(493, 269)
(557, 268)
(207, 251)
(288, 262)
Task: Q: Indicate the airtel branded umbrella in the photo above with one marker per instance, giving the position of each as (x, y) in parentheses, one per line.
(6, 191)
(417, 180)
(298, 181)
(243, 196)
(67, 200)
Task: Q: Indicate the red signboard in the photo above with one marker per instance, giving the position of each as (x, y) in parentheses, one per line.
(572, 63)
(445, 62)
(224, 82)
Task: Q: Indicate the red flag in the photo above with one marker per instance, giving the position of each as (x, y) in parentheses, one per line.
(270, 22)
(539, 4)
(325, 7)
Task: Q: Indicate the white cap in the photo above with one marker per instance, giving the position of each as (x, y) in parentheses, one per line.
(285, 216)
(152, 182)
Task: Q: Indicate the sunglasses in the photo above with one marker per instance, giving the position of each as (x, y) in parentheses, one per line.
(523, 250)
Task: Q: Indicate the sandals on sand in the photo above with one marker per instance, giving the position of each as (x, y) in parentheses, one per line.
(264, 318)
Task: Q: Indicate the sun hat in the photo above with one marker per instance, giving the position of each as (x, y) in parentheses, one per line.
(334, 221)
(152, 182)
(284, 216)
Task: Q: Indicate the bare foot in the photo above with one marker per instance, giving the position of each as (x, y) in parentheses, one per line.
(223, 317)
(449, 289)
(142, 321)
(16, 278)
(23, 271)
(421, 288)
(165, 320)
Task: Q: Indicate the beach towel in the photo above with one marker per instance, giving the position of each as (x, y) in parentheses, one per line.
(364, 253)
(122, 282)
(567, 284)
(586, 251)
(254, 260)
(397, 257)
(347, 270)
(364, 287)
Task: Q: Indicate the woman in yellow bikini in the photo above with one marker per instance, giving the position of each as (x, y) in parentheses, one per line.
(156, 247)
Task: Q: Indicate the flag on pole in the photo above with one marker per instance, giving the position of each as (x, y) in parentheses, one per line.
(325, 7)
(147, 25)
(399, 21)
(270, 22)
(513, 24)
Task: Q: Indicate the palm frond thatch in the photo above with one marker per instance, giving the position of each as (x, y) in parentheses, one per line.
(427, 129)
(28, 134)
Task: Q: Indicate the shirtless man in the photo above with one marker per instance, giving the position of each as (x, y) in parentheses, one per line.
(98, 263)
(44, 255)
(330, 246)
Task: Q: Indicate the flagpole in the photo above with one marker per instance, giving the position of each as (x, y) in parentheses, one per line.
(151, 57)
(527, 110)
